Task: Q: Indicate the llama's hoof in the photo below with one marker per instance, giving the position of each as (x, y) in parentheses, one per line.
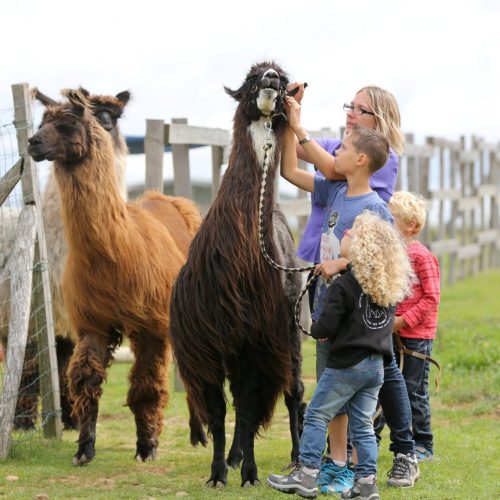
(85, 453)
(249, 484)
(82, 460)
(212, 483)
(234, 459)
(145, 453)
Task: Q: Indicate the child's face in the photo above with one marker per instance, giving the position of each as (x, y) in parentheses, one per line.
(405, 228)
(346, 156)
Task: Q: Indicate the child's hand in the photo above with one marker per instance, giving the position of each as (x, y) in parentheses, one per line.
(329, 268)
(292, 108)
(399, 323)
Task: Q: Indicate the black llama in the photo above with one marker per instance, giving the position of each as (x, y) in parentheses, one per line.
(231, 312)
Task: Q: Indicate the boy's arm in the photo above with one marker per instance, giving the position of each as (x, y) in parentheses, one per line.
(334, 309)
(289, 165)
(329, 268)
(427, 271)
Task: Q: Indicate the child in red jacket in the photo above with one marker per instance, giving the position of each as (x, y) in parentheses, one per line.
(416, 316)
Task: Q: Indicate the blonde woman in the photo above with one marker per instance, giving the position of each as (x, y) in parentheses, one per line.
(375, 108)
(357, 318)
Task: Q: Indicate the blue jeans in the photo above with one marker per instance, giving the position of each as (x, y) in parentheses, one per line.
(322, 352)
(357, 386)
(416, 375)
(393, 397)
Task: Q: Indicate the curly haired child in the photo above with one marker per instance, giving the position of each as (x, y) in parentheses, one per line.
(416, 316)
(357, 318)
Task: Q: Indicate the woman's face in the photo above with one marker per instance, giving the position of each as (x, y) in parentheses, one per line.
(360, 102)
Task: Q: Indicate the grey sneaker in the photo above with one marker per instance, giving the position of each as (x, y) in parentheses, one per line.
(404, 471)
(362, 491)
(297, 481)
(423, 455)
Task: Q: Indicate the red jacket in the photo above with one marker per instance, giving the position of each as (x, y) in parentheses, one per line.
(420, 310)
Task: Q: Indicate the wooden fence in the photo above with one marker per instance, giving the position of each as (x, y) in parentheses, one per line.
(459, 181)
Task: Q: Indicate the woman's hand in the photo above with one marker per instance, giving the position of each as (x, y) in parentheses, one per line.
(300, 93)
(329, 268)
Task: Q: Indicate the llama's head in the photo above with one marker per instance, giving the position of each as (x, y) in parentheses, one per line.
(263, 91)
(63, 134)
(107, 109)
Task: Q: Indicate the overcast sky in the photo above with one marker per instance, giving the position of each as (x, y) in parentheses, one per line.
(441, 59)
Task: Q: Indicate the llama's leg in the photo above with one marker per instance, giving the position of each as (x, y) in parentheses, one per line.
(27, 402)
(296, 409)
(64, 350)
(86, 373)
(235, 455)
(148, 393)
(216, 406)
(197, 434)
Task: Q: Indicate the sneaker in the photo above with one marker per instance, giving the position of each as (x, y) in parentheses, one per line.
(423, 455)
(298, 481)
(362, 491)
(343, 480)
(404, 471)
(327, 473)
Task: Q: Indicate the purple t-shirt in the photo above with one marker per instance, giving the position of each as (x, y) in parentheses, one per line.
(382, 181)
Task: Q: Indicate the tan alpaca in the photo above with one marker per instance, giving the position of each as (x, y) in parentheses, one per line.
(121, 265)
(108, 110)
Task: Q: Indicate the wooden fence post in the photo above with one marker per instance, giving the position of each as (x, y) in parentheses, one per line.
(49, 379)
(154, 147)
(180, 158)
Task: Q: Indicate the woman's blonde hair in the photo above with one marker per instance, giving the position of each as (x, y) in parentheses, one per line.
(387, 117)
(379, 260)
(409, 207)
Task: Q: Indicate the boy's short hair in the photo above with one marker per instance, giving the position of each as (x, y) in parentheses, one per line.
(408, 207)
(373, 144)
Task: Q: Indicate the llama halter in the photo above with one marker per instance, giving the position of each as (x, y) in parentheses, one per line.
(268, 144)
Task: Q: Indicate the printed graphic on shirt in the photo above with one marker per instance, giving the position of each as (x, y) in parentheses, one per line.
(374, 316)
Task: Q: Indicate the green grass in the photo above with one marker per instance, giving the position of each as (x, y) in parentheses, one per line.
(465, 422)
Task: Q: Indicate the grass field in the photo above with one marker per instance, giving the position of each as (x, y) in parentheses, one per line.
(465, 422)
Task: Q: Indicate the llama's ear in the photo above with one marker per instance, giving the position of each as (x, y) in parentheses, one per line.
(77, 99)
(124, 97)
(85, 92)
(45, 100)
(236, 94)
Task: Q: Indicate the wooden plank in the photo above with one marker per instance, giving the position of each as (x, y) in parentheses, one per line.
(487, 190)
(444, 246)
(468, 156)
(217, 161)
(419, 150)
(445, 194)
(182, 133)
(296, 208)
(154, 150)
(42, 300)
(470, 203)
(487, 236)
(21, 277)
(10, 179)
(180, 159)
(468, 251)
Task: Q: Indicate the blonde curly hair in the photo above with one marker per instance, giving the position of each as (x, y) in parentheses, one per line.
(409, 207)
(379, 260)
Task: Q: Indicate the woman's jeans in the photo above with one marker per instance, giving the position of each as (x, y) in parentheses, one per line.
(416, 375)
(395, 403)
(358, 386)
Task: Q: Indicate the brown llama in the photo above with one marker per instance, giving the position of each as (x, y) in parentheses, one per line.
(121, 265)
(108, 110)
(231, 312)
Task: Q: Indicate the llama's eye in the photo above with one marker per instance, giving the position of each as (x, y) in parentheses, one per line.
(65, 129)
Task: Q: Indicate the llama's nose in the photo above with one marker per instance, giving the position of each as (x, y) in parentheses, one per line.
(34, 140)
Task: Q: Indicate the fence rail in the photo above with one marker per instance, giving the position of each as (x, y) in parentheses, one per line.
(460, 183)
